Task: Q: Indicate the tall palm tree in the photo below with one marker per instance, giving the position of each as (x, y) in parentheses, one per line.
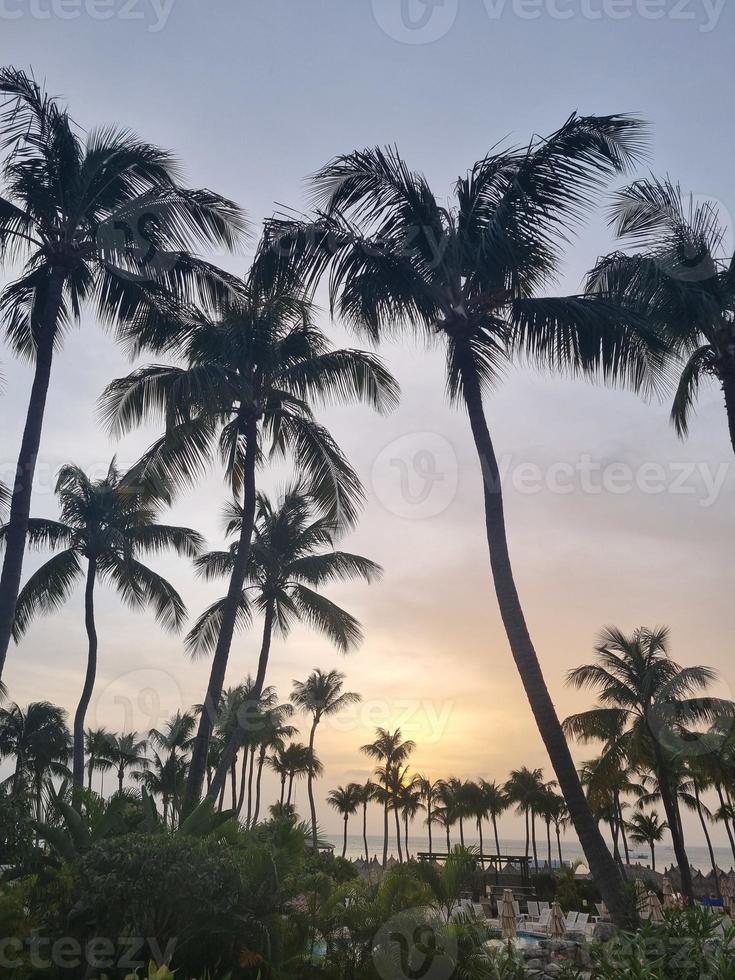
(321, 695)
(127, 752)
(366, 796)
(345, 800)
(408, 801)
(97, 747)
(549, 807)
(469, 275)
(476, 807)
(246, 392)
(647, 828)
(291, 555)
(430, 795)
(391, 751)
(272, 735)
(644, 699)
(298, 761)
(38, 738)
(108, 524)
(101, 220)
(675, 271)
(164, 777)
(524, 788)
(496, 803)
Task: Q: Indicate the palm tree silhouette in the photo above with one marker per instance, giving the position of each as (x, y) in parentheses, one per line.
(246, 394)
(125, 752)
(644, 699)
(469, 275)
(430, 795)
(291, 556)
(389, 749)
(345, 800)
(524, 788)
(647, 828)
(321, 695)
(109, 525)
(102, 221)
(680, 281)
(39, 740)
(272, 735)
(97, 747)
(496, 803)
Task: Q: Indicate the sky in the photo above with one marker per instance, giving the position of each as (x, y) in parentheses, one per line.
(611, 518)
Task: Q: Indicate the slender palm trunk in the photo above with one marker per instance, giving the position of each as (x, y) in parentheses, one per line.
(364, 830)
(198, 764)
(558, 845)
(241, 790)
(653, 856)
(533, 840)
(221, 801)
(548, 840)
(89, 775)
(239, 734)
(725, 819)
(20, 505)
(728, 389)
(599, 859)
(428, 824)
(495, 832)
(81, 712)
(449, 843)
(290, 787)
(405, 835)
(398, 834)
(708, 839)
(310, 782)
(479, 833)
(385, 832)
(283, 787)
(674, 820)
(250, 784)
(528, 834)
(261, 761)
(622, 828)
(461, 832)
(120, 776)
(344, 837)
(233, 783)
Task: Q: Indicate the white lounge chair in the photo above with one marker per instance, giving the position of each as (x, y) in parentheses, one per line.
(571, 920)
(582, 920)
(533, 911)
(542, 906)
(539, 928)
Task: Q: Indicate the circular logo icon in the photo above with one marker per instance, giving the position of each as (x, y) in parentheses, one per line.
(415, 21)
(137, 701)
(416, 475)
(133, 243)
(414, 944)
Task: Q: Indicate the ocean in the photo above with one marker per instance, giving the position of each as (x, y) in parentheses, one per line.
(571, 851)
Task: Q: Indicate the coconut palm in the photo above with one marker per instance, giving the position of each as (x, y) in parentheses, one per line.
(644, 699)
(550, 807)
(97, 747)
(525, 789)
(38, 738)
(391, 750)
(298, 760)
(469, 275)
(101, 220)
(165, 777)
(647, 828)
(246, 392)
(109, 525)
(291, 556)
(366, 795)
(430, 795)
(345, 800)
(408, 801)
(675, 271)
(272, 735)
(496, 803)
(321, 695)
(127, 752)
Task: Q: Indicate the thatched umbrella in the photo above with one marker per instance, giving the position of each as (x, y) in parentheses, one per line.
(508, 921)
(727, 890)
(669, 897)
(556, 927)
(642, 905)
(655, 912)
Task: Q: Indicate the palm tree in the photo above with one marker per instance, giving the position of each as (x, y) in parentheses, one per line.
(408, 801)
(246, 390)
(97, 747)
(272, 735)
(345, 800)
(496, 803)
(165, 777)
(524, 788)
(389, 749)
(287, 565)
(682, 282)
(298, 761)
(366, 795)
(430, 795)
(646, 828)
(102, 220)
(38, 739)
(476, 807)
(469, 276)
(109, 525)
(551, 805)
(127, 751)
(644, 699)
(321, 695)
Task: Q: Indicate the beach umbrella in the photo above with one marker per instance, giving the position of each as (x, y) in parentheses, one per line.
(508, 921)
(556, 927)
(642, 904)
(669, 897)
(727, 890)
(655, 912)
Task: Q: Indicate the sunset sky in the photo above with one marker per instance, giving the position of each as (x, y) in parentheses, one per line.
(611, 518)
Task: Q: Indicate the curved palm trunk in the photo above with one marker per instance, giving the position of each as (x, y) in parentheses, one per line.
(239, 734)
(364, 831)
(398, 834)
(250, 785)
(81, 712)
(428, 824)
(725, 820)
(344, 837)
(495, 832)
(20, 505)
(599, 859)
(558, 845)
(548, 841)
(198, 764)
(707, 837)
(728, 389)
(310, 783)
(674, 820)
(653, 856)
(621, 822)
(261, 761)
(385, 833)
